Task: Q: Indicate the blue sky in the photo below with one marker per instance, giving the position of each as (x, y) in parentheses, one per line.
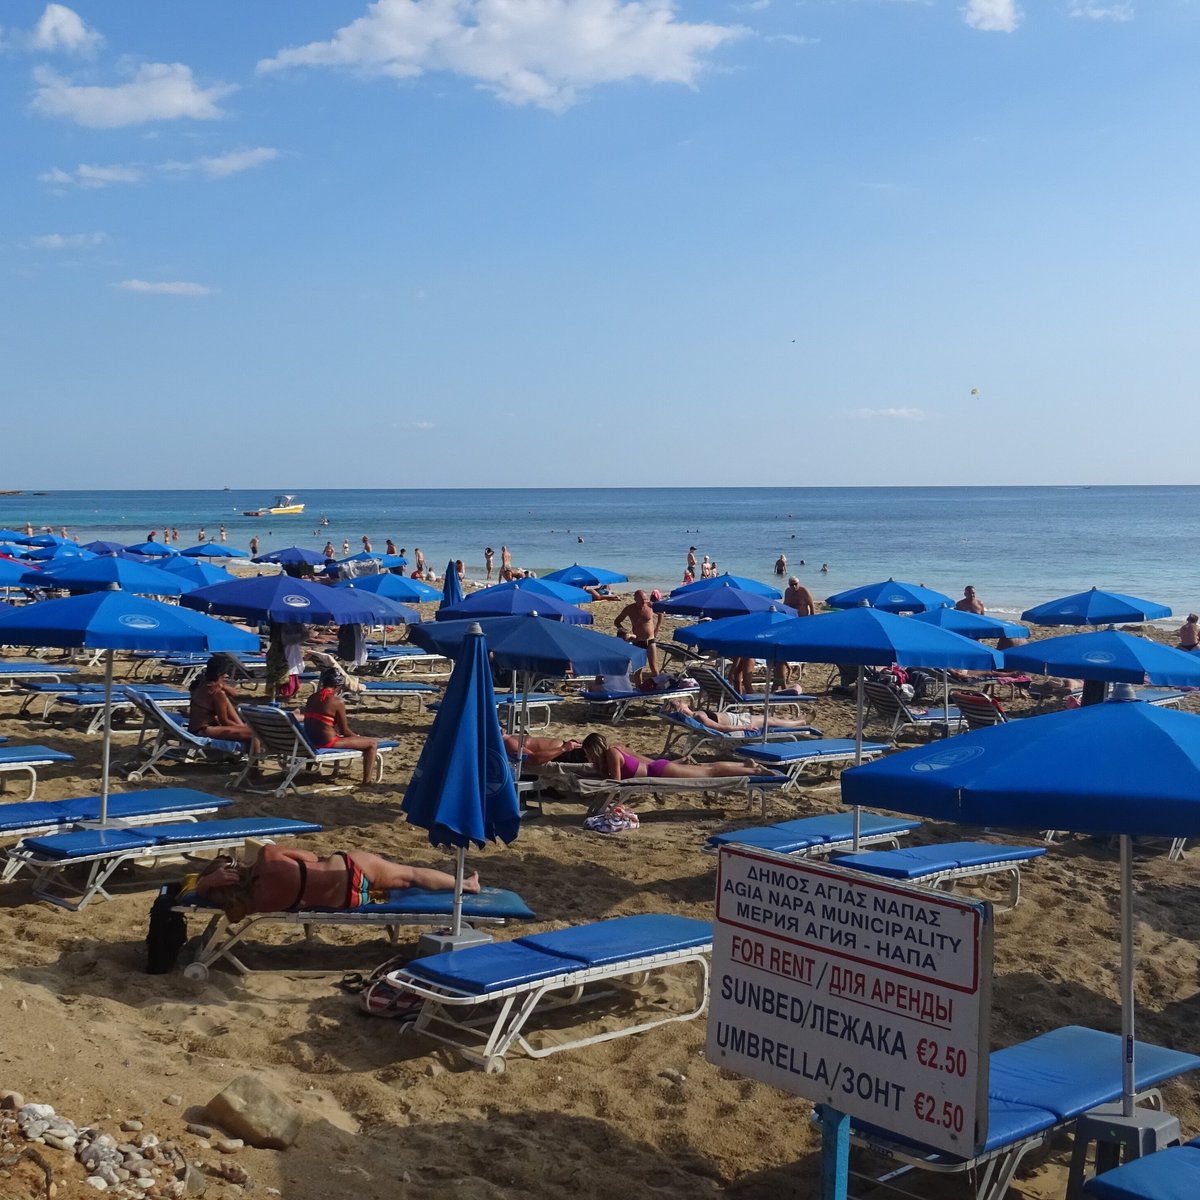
(561, 242)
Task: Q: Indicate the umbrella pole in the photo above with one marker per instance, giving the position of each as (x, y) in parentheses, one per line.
(512, 708)
(106, 752)
(946, 699)
(858, 741)
(459, 873)
(1127, 997)
(767, 700)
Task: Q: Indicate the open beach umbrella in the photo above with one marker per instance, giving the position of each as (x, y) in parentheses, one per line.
(116, 620)
(11, 535)
(19, 574)
(1107, 655)
(289, 601)
(492, 602)
(462, 789)
(400, 588)
(737, 581)
(105, 547)
(215, 550)
(386, 561)
(153, 550)
(979, 627)
(891, 596)
(49, 554)
(47, 539)
(1095, 608)
(452, 592)
(580, 576)
(291, 556)
(194, 572)
(101, 573)
(12, 550)
(565, 592)
(721, 599)
(1127, 770)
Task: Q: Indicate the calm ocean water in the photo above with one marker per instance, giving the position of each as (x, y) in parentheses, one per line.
(1018, 545)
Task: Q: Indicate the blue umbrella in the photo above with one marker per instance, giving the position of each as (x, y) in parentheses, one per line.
(63, 553)
(194, 572)
(560, 591)
(289, 601)
(737, 581)
(99, 574)
(387, 561)
(462, 789)
(394, 587)
(47, 539)
(580, 577)
(977, 626)
(726, 634)
(1095, 608)
(1123, 769)
(15, 574)
(891, 596)
(116, 620)
(1107, 655)
(12, 550)
(153, 550)
(452, 592)
(717, 600)
(105, 547)
(491, 602)
(291, 556)
(215, 550)
(11, 535)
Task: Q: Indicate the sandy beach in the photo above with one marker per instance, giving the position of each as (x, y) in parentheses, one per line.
(83, 1028)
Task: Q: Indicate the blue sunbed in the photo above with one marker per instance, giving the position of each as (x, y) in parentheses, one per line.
(27, 759)
(795, 758)
(49, 816)
(1172, 1174)
(812, 836)
(548, 970)
(694, 734)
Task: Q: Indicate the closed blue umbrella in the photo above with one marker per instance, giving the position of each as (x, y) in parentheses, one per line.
(462, 789)
(1123, 769)
(1107, 655)
(1095, 607)
(289, 601)
(291, 556)
(581, 577)
(718, 600)
(891, 596)
(491, 602)
(452, 592)
(979, 627)
(99, 574)
(215, 550)
(116, 620)
(737, 581)
(153, 550)
(401, 588)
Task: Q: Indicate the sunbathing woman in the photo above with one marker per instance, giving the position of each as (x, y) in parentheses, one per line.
(619, 762)
(211, 711)
(291, 880)
(726, 721)
(325, 722)
(539, 751)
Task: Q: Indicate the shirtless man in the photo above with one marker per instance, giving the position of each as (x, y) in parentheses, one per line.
(505, 560)
(489, 558)
(970, 602)
(797, 596)
(293, 880)
(538, 751)
(419, 559)
(254, 546)
(643, 625)
(691, 560)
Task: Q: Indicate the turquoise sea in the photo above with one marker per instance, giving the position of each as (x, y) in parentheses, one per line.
(1017, 545)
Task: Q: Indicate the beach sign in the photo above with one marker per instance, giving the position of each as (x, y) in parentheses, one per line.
(869, 997)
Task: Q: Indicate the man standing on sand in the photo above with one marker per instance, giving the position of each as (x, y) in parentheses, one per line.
(643, 625)
(970, 602)
(797, 596)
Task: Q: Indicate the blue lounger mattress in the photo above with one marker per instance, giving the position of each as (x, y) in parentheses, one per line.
(417, 902)
(913, 862)
(527, 960)
(387, 687)
(157, 801)
(35, 668)
(70, 688)
(384, 744)
(86, 843)
(1172, 1174)
(789, 752)
(806, 833)
(22, 755)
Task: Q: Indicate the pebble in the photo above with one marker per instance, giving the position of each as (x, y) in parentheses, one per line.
(147, 1140)
(673, 1075)
(11, 1100)
(59, 1143)
(174, 1099)
(132, 1126)
(202, 1131)
(228, 1145)
(97, 1183)
(193, 1180)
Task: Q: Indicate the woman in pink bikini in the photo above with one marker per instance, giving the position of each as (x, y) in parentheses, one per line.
(619, 762)
(325, 722)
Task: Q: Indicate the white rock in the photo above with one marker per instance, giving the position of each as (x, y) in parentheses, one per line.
(99, 1184)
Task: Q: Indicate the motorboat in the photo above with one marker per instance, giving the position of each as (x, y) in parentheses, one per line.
(283, 506)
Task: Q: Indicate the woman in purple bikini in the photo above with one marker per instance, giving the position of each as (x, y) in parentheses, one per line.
(619, 762)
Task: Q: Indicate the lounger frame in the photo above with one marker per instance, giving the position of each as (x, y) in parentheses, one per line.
(30, 768)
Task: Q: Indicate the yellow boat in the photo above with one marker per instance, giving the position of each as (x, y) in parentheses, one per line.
(284, 505)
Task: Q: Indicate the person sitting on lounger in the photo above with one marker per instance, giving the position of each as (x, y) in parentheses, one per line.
(325, 721)
(726, 721)
(619, 762)
(212, 711)
(293, 880)
(538, 751)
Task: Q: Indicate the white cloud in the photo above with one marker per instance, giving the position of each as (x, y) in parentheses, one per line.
(792, 39)
(69, 241)
(992, 16)
(420, 426)
(890, 414)
(155, 92)
(89, 175)
(176, 288)
(223, 165)
(1120, 12)
(62, 29)
(543, 52)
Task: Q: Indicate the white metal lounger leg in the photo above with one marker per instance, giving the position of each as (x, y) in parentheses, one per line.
(30, 771)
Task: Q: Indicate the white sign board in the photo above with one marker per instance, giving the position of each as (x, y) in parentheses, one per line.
(868, 996)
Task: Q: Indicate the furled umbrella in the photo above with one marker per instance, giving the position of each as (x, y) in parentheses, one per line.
(452, 592)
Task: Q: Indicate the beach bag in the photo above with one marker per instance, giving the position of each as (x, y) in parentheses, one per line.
(617, 819)
(167, 933)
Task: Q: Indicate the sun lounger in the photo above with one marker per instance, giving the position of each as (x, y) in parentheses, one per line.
(538, 705)
(942, 865)
(14, 671)
(812, 837)
(27, 759)
(695, 734)
(1036, 1089)
(481, 1000)
(718, 693)
(404, 906)
(282, 739)
(795, 760)
(889, 705)
(102, 850)
(88, 698)
(31, 817)
(173, 739)
(394, 660)
(614, 704)
(1172, 1174)
(391, 689)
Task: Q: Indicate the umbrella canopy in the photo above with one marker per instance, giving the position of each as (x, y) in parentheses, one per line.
(395, 587)
(215, 550)
(452, 592)
(1125, 769)
(64, 553)
(11, 535)
(530, 643)
(977, 626)
(105, 547)
(387, 561)
(722, 599)
(1107, 655)
(116, 620)
(492, 602)
(12, 550)
(729, 633)
(892, 596)
(291, 556)
(1095, 608)
(580, 576)
(46, 539)
(194, 572)
(153, 550)
(290, 601)
(462, 789)
(737, 581)
(17, 574)
(560, 591)
(98, 574)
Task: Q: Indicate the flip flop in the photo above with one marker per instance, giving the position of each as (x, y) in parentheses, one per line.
(352, 982)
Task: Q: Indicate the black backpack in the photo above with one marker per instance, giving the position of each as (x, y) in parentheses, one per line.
(167, 933)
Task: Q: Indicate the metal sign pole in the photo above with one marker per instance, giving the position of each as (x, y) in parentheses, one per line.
(835, 1153)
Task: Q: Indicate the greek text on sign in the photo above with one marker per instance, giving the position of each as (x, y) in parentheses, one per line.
(868, 996)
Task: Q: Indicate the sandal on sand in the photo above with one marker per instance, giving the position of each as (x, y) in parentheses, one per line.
(352, 982)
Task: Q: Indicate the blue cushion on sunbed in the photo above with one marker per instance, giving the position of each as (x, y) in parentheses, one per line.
(603, 695)
(620, 938)
(483, 969)
(153, 802)
(387, 685)
(1172, 1174)
(783, 752)
(490, 902)
(32, 754)
(384, 744)
(83, 843)
(913, 862)
(20, 668)
(788, 837)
